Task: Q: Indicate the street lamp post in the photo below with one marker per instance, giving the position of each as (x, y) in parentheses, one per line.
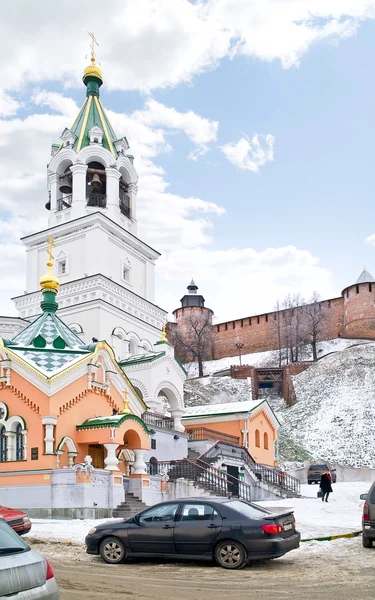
(239, 348)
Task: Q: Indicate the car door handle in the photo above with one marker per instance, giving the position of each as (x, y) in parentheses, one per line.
(212, 526)
(168, 526)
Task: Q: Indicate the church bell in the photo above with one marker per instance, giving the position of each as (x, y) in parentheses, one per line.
(95, 182)
(65, 186)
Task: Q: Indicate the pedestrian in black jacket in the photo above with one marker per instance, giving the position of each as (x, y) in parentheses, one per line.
(325, 485)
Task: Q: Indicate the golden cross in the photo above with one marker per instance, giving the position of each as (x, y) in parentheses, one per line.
(93, 42)
(50, 241)
(126, 394)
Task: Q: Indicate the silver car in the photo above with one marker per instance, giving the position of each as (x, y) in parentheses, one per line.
(24, 573)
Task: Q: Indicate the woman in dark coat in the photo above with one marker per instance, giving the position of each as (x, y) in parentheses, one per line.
(325, 485)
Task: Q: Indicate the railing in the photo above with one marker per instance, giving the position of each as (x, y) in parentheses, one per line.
(63, 203)
(204, 475)
(278, 478)
(158, 420)
(99, 200)
(269, 475)
(124, 208)
(203, 433)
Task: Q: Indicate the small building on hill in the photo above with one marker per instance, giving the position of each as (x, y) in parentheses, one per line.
(251, 424)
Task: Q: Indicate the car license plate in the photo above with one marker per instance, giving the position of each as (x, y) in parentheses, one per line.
(288, 526)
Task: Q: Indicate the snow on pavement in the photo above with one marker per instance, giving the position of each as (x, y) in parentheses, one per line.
(342, 514)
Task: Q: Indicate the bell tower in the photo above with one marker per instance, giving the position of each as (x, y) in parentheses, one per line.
(90, 169)
(106, 272)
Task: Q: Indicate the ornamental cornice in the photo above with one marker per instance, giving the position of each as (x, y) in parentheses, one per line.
(102, 288)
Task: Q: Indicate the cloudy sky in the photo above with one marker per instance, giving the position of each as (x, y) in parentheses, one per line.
(252, 126)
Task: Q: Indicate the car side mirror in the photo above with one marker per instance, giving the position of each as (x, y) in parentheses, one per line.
(363, 496)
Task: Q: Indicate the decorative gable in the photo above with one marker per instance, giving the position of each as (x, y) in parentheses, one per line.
(68, 138)
(121, 145)
(96, 135)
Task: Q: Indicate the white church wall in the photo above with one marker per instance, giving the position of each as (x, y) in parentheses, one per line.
(167, 447)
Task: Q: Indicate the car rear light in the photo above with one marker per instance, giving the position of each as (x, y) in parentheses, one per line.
(273, 528)
(50, 573)
(366, 514)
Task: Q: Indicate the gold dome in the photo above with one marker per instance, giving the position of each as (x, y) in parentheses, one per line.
(49, 281)
(93, 71)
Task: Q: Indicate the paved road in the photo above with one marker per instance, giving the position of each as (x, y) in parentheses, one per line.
(340, 570)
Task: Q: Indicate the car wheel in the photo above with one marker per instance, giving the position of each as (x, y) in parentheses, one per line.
(366, 543)
(230, 555)
(309, 482)
(112, 550)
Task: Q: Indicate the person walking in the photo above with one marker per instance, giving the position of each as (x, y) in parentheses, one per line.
(325, 485)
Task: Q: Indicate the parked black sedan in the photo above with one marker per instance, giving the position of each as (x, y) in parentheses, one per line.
(228, 530)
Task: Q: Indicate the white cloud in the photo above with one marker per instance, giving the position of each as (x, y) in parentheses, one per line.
(250, 154)
(8, 105)
(239, 282)
(199, 130)
(152, 44)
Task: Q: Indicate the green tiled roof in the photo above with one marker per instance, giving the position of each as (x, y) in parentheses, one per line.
(48, 331)
(111, 421)
(92, 113)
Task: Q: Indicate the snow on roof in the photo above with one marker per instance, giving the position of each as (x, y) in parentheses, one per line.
(221, 409)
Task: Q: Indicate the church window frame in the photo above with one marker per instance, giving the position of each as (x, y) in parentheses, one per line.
(20, 443)
(257, 438)
(126, 271)
(3, 444)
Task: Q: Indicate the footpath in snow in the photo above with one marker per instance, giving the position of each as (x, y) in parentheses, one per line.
(342, 514)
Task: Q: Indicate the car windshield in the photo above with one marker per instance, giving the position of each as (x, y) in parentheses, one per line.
(10, 542)
(318, 467)
(249, 510)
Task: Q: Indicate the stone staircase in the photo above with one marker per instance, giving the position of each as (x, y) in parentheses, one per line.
(130, 507)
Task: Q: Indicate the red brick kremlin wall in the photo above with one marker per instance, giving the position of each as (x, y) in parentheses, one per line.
(352, 315)
(258, 333)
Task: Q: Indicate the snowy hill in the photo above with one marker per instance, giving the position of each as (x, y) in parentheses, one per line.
(215, 390)
(334, 417)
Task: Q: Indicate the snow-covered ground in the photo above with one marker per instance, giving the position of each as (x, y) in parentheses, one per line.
(269, 358)
(342, 514)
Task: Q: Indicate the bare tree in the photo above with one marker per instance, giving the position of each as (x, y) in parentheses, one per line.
(289, 328)
(315, 316)
(192, 338)
(277, 328)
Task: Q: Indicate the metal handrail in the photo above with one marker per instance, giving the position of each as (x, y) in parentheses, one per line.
(64, 203)
(262, 473)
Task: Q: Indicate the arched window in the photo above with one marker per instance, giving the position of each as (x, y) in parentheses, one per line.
(257, 438)
(265, 441)
(3, 445)
(153, 466)
(20, 443)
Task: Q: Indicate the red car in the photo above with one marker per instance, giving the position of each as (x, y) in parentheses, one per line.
(17, 519)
